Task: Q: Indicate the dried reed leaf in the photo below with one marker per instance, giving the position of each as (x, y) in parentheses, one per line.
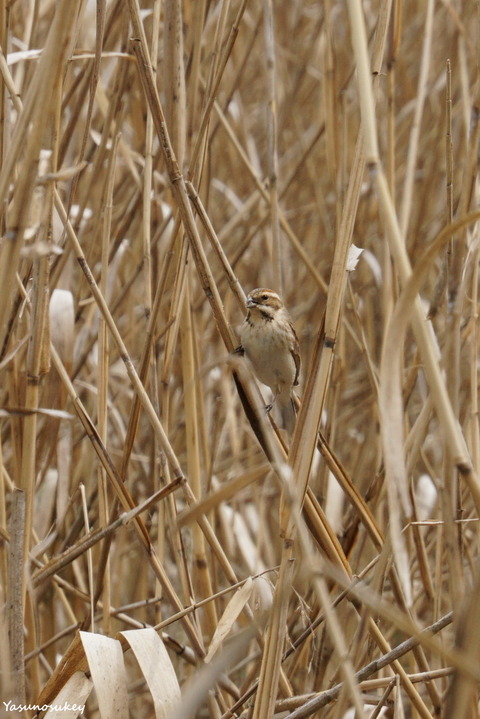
(72, 661)
(157, 669)
(229, 617)
(70, 700)
(62, 322)
(224, 492)
(105, 661)
(261, 599)
(195, 691)
(104, 658)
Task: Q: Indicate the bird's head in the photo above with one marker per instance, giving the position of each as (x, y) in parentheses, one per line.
(265, 301)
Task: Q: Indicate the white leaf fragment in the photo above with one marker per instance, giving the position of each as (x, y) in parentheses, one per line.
(353, 256)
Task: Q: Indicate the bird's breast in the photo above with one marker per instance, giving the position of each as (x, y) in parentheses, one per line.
(268, 349)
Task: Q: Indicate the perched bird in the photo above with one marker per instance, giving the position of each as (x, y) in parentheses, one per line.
(270, 344)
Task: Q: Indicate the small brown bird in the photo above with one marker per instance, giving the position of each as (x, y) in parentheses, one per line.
(271, 345)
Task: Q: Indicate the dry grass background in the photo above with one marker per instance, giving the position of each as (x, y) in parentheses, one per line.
(132, 224)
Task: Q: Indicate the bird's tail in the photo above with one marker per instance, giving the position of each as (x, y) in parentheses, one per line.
(288, 415)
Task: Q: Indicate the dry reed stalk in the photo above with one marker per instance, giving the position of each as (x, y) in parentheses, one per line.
(103, 358)
(279, 264)
(15, 598)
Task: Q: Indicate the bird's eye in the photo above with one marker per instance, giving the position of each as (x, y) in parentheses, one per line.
(264, 297)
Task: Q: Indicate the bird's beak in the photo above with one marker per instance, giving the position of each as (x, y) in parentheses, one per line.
(250, 302)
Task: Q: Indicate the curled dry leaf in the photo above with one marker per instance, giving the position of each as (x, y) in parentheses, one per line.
(70, 701)
(107, 669)
(262, 598)
(157, 669)
(229, 616)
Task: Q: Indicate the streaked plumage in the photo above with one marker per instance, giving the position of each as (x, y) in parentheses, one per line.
(271, 345)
